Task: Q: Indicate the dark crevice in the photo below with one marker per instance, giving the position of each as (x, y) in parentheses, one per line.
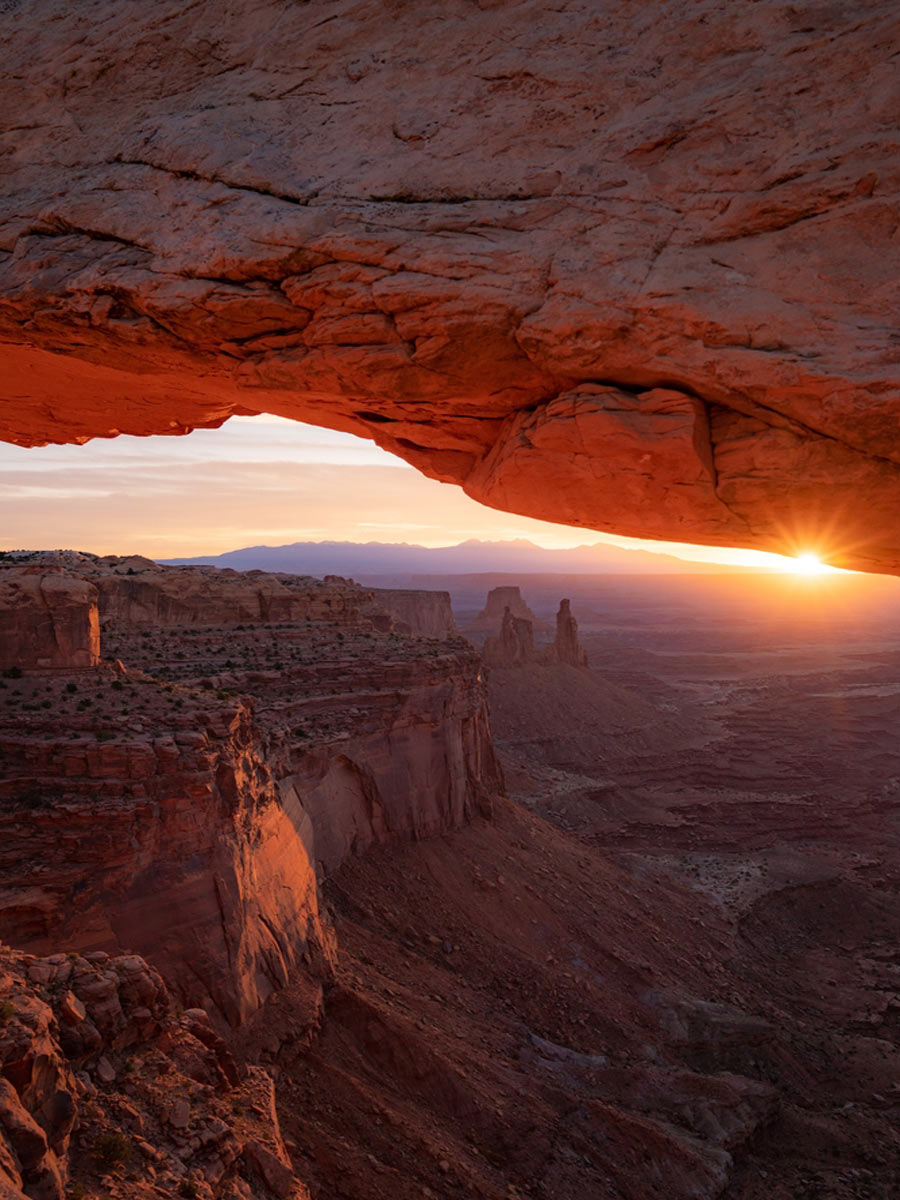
(185, 173)
(57, 227)
(409, 198)
(375, 418)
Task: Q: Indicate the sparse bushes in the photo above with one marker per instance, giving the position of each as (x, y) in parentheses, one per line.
(111, 1150)
(12, 673)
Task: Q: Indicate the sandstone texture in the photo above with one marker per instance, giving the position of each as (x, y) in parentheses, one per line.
(627, 267)
(47, 619)
(184, 805)
(101, 1085)
(424, 613)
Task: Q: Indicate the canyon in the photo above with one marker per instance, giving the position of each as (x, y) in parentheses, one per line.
(276, 925)
(187, 807)
(617, 268)
(311, 889)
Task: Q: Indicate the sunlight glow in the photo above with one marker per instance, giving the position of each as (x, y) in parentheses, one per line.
(810, 564)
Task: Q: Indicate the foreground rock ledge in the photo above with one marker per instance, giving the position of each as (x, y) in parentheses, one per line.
(627, 267)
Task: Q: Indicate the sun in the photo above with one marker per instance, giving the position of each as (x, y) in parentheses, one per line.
(810, 564)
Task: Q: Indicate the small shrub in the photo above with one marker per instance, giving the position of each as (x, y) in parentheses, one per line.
(189, 1188)
(117, 685)
(7, 1011)
(71, 688)
(111, 1150)
(12, 673)
(76, 1192)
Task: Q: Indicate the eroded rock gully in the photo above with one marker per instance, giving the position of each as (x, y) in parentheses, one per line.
(628, 267)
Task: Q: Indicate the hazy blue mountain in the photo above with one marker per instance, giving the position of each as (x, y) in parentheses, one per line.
(388, 558)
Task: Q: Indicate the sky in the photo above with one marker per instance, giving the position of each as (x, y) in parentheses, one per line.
(257, 480)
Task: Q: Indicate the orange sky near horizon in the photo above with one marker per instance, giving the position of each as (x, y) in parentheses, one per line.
(262, 480)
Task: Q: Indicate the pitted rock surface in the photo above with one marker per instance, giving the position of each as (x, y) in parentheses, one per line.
(628, 267)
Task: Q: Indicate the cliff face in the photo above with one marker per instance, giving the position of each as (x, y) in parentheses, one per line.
(184, 808)
(48, 619)
(155, 828)
(425, 767)
(620, 269)
(425, 614)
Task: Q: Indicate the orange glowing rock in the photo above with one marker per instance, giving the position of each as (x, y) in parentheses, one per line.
(586, 274)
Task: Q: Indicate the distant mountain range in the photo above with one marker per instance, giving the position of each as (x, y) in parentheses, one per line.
(357, 560)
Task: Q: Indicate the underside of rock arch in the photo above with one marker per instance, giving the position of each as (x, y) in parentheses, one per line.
(624, 266)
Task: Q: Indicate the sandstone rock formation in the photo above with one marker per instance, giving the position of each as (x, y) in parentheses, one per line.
(620, 268)
(499, 599)
(161, 833)
(102, 1085)
(424, 613)
(513, 646)
(566, 647)
(184, 809)
(47, 619)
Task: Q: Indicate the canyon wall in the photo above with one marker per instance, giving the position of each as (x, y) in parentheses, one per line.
(182, 806)
(166, 839)
(423, 613)
(621, 268)
(48, 619)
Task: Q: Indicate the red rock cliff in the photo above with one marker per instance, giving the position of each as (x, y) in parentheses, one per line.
(621, 267)
(158, 810)
(48, 619)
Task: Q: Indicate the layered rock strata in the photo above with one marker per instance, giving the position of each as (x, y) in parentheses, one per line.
(621, 268)
(135, 815)
(183, 806)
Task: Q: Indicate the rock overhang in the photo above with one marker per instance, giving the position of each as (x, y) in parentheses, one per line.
(544, 255)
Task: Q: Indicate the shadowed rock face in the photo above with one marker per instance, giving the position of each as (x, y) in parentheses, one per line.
(566, 648)
(617, 266)
(514, 644)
